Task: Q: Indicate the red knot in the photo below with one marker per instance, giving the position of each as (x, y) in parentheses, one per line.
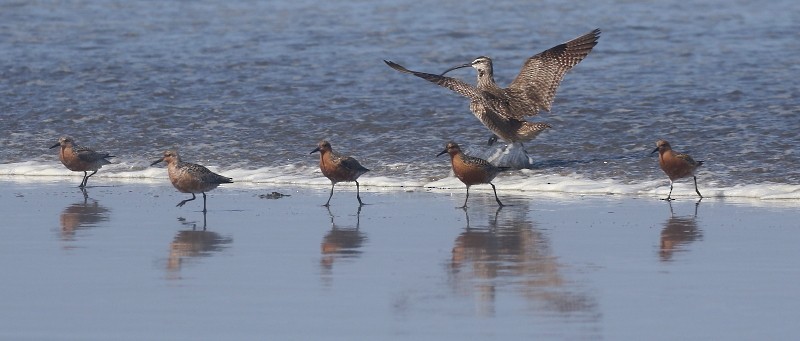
(676, 165)
(472, 170)
(80, 159)
(337, 168)
(503, 111)
(189, 177)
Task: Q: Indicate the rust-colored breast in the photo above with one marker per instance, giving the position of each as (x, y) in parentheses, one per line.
(71, 160)
(676, 167)
(472, 171)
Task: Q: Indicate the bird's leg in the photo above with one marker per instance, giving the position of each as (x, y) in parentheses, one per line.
(328, 203)
(495, 195)
(465, 199)
(180, 204)
(668, 198)
(358, 196)
(695, 187)
(86, 178)
(204, 204)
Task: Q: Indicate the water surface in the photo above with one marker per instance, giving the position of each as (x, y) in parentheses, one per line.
(251, 87)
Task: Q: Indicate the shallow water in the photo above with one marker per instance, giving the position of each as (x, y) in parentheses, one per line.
(124, 263)
(251, 87)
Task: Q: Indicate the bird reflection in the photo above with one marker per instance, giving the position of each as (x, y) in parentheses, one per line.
(509, 251)
(81, 215)
(193, 243)
(341, 242)
(678, 232)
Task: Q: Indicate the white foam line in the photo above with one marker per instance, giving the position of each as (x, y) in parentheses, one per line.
(521, 183)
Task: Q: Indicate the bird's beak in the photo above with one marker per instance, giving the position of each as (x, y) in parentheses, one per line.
(442, 153)
(654, 151)
(55, 145)
(455, 67)
(315, 150)
(157, 161)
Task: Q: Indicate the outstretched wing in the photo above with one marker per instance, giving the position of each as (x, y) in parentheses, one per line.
(487, 101)
(456, 85)
(535, 86)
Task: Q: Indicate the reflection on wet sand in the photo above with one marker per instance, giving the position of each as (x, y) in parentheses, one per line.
(193, 243)
(509, 252)
(81, 215)
(678, 232)
(341, 242)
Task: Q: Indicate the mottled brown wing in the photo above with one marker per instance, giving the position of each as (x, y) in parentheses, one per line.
(88, 155)
(688, 159)
(347, 162)
(206, 175)
(456, 85)
(353, 165)
(535, 86)
(480, 162)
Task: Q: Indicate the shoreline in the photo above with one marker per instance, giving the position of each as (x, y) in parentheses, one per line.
(786, 195)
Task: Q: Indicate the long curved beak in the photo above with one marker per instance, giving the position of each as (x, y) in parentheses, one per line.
(157, 161)
(55, 145)
(442, 153)
(455, 68)
(654, 151)
(315, 150)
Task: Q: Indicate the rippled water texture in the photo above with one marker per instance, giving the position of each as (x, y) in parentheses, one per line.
(249, 85)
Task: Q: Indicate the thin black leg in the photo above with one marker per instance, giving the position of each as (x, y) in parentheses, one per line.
(180, 204)
(358, 196)
(465, 199)
(328, 203)
(669, 196)
(204, 203)
(695, 186)
(86, 179)
(495, 195)
(83, 181)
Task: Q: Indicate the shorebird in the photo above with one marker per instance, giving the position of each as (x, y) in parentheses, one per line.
(676, 165)
(472, 170)
(503, 111)
(189, 177)
(337, 168)
(80, 159)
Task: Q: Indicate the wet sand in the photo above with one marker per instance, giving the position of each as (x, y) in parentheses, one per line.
(124, 263)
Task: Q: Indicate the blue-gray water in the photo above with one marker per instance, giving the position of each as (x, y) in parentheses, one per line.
(254, 85)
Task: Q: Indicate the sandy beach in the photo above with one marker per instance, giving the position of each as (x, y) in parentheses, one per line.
(124, 263)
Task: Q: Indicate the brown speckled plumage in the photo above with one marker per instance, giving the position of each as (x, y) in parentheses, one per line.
(503, 111)
(676, 165)
(189, 177)
(472, 170)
